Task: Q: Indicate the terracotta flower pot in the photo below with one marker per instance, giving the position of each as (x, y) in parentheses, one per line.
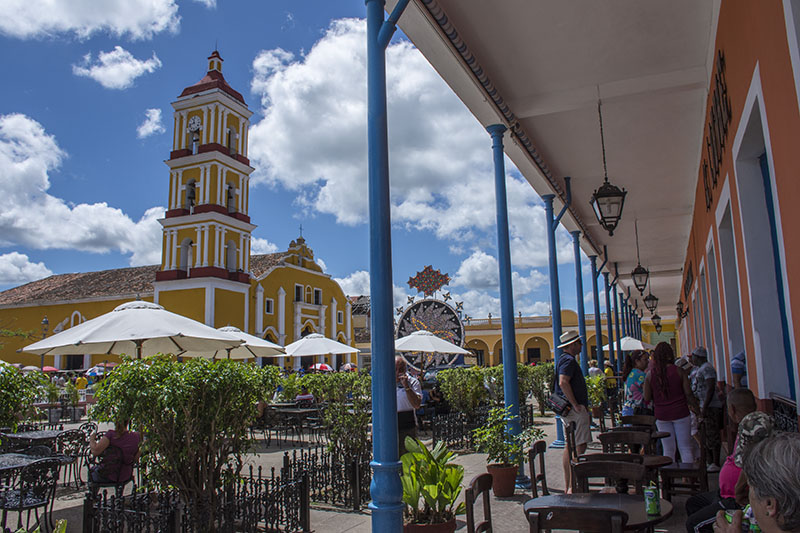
(503, 479)
(444, 527)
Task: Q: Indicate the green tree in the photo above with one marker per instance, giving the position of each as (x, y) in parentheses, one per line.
(463, 388)
(195, 416)
(540, 383)
(18, 391)
(494, 382)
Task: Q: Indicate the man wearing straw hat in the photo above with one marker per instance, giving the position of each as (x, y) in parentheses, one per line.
(572, 385)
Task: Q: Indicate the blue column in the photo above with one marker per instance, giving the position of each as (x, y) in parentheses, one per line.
(576, 246)
(598, 322)
(610, 320)
(386, 490)
(619, 354)
(510, 379)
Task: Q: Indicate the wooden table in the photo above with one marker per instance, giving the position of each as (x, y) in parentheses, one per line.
(656, 461)
(631, 504)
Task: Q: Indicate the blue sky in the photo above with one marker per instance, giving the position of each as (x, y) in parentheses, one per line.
(86, 122)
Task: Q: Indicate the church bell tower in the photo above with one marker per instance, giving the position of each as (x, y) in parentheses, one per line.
(206, 229)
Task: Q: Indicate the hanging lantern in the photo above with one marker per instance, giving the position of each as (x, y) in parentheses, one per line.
(656, 320)
(608, 200)
(640, 276)
(651, 302)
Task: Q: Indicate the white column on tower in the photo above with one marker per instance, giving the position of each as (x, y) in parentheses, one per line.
(247, 255)
(183, 130)
(175, 129)
(167, 248)
(246, 139)
(204, 131)
(220, 190)
(241, 252)
(240, 140)
(173, 253)
(223, 258)
(222, 116)
(246, 189)
(206, 229)
(216, 245)
(259, 310)
(197, 246)
(333, 318)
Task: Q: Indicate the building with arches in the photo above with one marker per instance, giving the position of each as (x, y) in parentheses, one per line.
(207, 271)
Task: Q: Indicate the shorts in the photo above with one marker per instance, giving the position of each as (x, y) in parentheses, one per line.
(583, 434)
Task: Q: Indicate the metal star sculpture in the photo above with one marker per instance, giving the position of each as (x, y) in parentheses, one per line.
(446, 296)
(410, 300)
(428, 281)
(399, 310)
(459, 306)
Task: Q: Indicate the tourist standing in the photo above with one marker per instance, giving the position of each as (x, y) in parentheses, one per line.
(409, 399)
(704, 386)
(633, 374)
(593, 370)
(572, 385)
(668, 388)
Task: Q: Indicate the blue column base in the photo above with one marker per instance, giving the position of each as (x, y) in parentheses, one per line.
(522, 482)
(559, 442)
(387, 512)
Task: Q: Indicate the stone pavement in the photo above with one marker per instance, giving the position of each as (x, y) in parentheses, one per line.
(507, 513)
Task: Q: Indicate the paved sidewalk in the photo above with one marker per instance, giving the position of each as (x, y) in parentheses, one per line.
(507, 513)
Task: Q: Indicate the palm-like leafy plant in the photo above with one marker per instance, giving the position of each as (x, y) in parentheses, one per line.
(431, 483)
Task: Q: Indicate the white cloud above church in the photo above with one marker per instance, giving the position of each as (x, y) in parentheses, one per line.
(115, 69)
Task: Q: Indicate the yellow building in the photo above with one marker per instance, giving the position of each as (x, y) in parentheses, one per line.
(534, 336)
(206, 271)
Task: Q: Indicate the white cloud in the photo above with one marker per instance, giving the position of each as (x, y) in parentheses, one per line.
(16, 268)
(117, 69)
(137, 19)
(321, 264)
(478, 271)
(357, 284)
(262, 246)
(152, 124)
(588, 300)
(210, 4)
(31, 217)
(440, 160)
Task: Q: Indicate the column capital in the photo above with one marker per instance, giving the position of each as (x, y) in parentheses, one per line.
(496, 130)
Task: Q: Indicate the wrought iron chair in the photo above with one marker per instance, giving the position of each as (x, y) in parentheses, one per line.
(588, 520)
(71, 446)
(538, 449)
(35, 489)
(111, 454)
(479, 486)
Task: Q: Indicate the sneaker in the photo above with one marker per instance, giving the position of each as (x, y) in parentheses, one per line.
(712, 468)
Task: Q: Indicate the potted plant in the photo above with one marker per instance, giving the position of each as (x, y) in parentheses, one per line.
(431, 486)
(504, 450)
(596, 387)
(73, 398)
(52, 392)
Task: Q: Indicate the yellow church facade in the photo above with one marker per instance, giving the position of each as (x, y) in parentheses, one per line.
(207, 272)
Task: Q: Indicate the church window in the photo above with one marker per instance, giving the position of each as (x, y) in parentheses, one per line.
(195, 142)
(191, 194)
(230, 141)
(298, 293)
(230, 197)
(317, 297)
(230, 256)
(186, 254)
(339, 317)
(308, 299)
(269, 305)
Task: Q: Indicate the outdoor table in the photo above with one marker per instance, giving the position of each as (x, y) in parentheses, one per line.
(282, 405)
(43, 437)
(15, 461)
(300, 413)
(660, 435)
(632, 504)
(656, 461)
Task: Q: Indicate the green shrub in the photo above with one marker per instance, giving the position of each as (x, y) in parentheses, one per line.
(541, 381)
(431, 483)
(18, 391)
(463, 388)
(494, 439)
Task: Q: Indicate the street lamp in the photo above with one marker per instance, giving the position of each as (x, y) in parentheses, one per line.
(608, 200)
(640, 274)
(45, 325)
(681, 312)
(650, 301)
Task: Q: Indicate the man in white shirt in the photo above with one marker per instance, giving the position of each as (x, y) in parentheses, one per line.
(409, 399)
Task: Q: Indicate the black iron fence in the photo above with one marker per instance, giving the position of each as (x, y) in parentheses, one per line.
(455, 428)
(784, 412)
(249, 503)
(333, 478)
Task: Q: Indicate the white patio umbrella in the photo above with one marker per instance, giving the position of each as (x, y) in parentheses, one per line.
(316, 344)
(251, 346)
(628, 344)
(143, 328)
(425, 341)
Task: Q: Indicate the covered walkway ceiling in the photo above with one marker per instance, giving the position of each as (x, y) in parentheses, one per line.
(538, 66)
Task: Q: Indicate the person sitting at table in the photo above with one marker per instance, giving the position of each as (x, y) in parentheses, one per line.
(633, 374)
(118, 450)
(774, 486)
(304, 396)
(754, 426)
(668, 388)
(593, 370)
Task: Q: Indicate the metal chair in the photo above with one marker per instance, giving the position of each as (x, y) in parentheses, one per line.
(619, 472)
(71, 446)
(479, 486)
(538, 450)
(35, 489)
(110, 455)
(577, 519)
